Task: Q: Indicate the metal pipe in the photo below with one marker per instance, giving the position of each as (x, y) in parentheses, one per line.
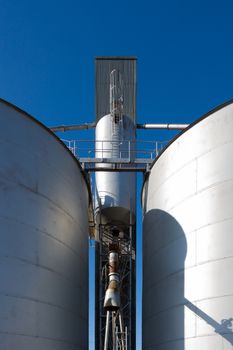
(163, 126)
(128, 169)
(107, 331)
(113, 261)
(121, 330)
(126, 339)
(112, 294)
(121, 322)
(139, 126)
(113, 331)
(72, 127)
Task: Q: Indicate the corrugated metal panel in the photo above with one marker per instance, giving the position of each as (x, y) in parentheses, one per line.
(127, 68)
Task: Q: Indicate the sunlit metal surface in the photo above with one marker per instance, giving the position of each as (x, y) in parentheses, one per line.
(187, 245)
(163, 126)
(44, 239)
(115, 191)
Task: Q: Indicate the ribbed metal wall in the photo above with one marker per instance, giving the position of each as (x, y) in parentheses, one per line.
(43, 239)
(127, 68)
(188, 240)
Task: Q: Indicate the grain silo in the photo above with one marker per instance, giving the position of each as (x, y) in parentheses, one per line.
(44, 239)
(187, 244)
(44, 223)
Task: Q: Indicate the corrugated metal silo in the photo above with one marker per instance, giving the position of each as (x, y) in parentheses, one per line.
(44, 239)
(188, 242)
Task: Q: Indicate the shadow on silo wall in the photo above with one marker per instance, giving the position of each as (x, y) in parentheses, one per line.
(164, 252)
(165, 324)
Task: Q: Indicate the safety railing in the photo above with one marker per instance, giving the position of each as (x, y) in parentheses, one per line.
(123, 150)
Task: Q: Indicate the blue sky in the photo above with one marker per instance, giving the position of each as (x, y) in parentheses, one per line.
(184, 50)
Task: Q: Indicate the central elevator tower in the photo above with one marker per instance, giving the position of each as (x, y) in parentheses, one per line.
(115, 204)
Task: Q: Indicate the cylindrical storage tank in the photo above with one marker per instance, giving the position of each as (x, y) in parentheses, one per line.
(187, 239)
(44, 239)
(115, 191)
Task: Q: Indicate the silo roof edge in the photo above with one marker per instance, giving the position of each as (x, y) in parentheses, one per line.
(206, 115)
(26, 114)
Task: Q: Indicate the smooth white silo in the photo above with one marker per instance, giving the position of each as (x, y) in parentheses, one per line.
(115, 190)
(43, 239)
(188, 240)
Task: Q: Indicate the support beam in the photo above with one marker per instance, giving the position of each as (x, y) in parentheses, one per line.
(72, 127)
(85, 126)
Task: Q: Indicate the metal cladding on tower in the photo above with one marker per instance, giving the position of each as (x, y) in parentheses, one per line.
(115, 139)
(44, 239)
(187, 239)
(115, 203)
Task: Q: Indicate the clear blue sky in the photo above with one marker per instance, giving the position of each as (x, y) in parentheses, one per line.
(184, 50)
